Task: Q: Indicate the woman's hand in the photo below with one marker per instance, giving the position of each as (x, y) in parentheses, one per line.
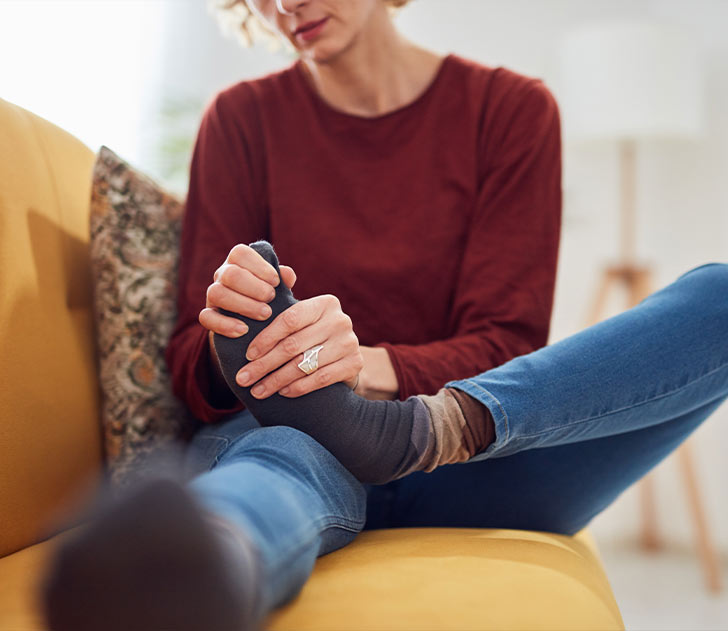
(278, 349)
(244, 284)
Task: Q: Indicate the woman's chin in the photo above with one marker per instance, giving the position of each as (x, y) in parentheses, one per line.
(321, 52)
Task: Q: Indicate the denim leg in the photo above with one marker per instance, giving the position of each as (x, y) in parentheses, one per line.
(579, 421)
(660, 360)
(291, 496)
(553, 489)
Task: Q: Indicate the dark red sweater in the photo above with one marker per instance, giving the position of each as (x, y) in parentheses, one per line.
(436, 225)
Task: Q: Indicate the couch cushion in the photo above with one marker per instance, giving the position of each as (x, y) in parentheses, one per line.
(135, 228)
(415, 579)
(49, 426)
(458, 579)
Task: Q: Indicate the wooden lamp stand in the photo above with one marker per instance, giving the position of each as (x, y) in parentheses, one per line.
(638, 282)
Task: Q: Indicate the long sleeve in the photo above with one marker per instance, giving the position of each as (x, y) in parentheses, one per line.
(504, 296)
(221, 210)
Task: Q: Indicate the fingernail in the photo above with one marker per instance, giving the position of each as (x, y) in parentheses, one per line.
(243, 378)
(265, 311)
(251, 354)
(285, 390)
(258, 390)
(241, 329)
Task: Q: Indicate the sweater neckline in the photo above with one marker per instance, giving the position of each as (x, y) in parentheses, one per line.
(417, 101)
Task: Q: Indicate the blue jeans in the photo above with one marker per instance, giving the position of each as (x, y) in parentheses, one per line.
(576, 423)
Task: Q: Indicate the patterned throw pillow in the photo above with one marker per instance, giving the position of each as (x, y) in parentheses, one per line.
(135, 228)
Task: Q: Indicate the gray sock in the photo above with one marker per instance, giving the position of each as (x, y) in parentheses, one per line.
(373, 439)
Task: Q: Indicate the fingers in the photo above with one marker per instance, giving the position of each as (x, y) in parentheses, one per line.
(247, 258)
(243, 284)
(288, 275)
(291, 347)
(338, 360)
(341, 370)
(295, 318)
(328, 326)
(224, 325)
(219, 296)
(242, 281)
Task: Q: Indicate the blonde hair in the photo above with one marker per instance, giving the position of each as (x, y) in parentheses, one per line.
(236, 17)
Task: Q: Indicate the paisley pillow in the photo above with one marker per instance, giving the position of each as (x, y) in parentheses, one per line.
(135, 228)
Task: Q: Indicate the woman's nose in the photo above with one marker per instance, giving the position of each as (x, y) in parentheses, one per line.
(289, 7)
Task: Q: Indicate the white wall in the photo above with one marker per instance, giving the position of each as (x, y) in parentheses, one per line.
(86, 66)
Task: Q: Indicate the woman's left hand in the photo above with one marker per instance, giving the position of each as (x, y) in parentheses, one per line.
(278, 349)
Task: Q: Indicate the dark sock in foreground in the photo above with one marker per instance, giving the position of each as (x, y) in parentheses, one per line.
(377, 441)
(148, 562)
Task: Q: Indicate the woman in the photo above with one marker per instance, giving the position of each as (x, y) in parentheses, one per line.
(418, 199)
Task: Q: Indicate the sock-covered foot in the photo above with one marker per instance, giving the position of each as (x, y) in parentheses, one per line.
(152, 561)
(377, 441)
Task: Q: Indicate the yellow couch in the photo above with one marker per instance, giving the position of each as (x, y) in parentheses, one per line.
(50, 446)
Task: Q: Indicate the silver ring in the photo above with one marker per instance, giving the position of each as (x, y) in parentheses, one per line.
(310, 360)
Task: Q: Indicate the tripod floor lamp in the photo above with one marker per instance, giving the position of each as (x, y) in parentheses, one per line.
(625, 83)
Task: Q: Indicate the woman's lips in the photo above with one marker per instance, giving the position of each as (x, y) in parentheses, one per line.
(313, 31)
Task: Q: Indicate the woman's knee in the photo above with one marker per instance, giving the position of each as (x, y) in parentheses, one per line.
(285, 446)
(274, 440)
(710, 277)
(708, 292)
(298, 457)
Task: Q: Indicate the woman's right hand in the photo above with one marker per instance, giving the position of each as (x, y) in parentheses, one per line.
(243, 284)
